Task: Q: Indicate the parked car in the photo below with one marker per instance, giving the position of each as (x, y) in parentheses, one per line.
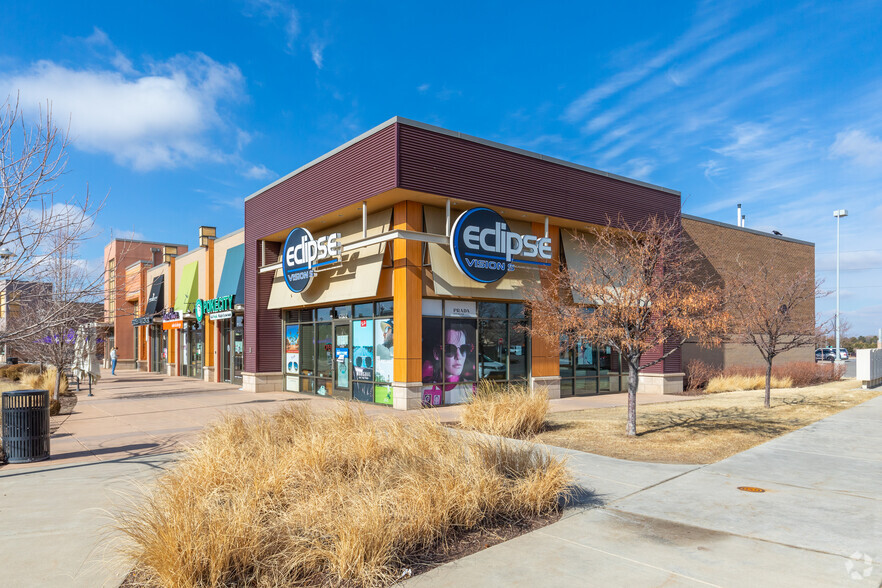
(825, 354)
(843, 353)
(487, 367)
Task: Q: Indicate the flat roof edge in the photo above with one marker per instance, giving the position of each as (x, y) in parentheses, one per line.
(737, 228)
(466, 137)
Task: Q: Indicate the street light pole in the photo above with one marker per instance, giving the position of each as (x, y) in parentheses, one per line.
(838, 214)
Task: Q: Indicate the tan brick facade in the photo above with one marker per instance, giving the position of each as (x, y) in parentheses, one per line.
(724, 247)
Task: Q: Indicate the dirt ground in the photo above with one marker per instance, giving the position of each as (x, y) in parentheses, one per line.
(704, 430)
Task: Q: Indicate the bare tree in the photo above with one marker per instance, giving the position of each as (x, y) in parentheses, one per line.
(773, 309)
(35, 225)
(57, 313)
(638, 289)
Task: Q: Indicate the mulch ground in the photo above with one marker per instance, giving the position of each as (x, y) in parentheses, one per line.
(461, 545)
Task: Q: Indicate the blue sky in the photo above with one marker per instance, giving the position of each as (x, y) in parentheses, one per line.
(180, 110)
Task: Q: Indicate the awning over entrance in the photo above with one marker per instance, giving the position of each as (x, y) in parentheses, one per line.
(449, 281)
(357, 277)
(188, 291)
(574, 257)
(156, 300)
(232, 281)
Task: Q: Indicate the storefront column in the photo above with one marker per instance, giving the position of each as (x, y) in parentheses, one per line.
(209, 365)
(407, 288)
(546, 354)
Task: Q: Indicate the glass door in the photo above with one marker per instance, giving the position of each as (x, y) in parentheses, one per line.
(342, 362)
(238, 349)
(226, 351)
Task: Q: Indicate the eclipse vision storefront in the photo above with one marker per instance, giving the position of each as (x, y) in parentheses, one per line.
(394, 269)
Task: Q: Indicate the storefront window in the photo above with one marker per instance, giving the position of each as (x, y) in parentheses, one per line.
(343, 312)
(324, 352)
(307, 351)
(384, 308)
(492, 309)
(364, 310)
(458, 351)
(492, 355)
(518, 350)
(324, 314)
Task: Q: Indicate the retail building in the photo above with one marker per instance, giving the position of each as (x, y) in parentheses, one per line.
(394, 269)
(192, 321)
(126, 264)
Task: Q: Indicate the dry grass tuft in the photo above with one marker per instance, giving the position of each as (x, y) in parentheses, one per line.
(704, 430)
(335, 499)
(509, 410)
(41, 381)
(734, 382)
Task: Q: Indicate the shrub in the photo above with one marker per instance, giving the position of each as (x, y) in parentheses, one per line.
(698, 374)
(44, 381)
(509, 410)
(337, 499)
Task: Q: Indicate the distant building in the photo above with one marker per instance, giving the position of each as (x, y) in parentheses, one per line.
(125, 265)
(14, 294)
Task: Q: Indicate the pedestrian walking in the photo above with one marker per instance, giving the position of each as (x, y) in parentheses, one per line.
(113, 361)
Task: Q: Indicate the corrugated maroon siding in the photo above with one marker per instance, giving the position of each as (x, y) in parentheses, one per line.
(458, 168)
(354, 174)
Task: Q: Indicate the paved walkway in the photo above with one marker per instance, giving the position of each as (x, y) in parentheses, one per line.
(818, 523)
(136, 414)
(54, 516)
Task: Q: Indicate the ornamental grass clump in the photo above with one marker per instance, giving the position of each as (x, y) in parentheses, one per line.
(508, 410)
(303, 499)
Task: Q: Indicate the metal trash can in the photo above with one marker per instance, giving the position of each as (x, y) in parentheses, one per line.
(25, 425)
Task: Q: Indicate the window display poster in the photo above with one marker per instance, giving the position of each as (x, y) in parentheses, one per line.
(292, 349)
(292, 339)
(432, 367)
(383, 351)
(292, 384)
(363, 349)
(363, 391)
(383, 395)
(433, 395)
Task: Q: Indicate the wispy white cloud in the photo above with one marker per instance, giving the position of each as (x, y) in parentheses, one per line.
(258, 172)
(278, 11)
(858, 146)
(316, 51)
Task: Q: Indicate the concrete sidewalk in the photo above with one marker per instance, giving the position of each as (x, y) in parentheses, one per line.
(54, 516)
(135, 414)
(818, 523)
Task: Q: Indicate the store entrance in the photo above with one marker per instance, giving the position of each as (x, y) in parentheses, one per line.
(156, 334)
(342, 361)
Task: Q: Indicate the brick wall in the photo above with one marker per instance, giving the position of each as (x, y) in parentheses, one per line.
(722, 247)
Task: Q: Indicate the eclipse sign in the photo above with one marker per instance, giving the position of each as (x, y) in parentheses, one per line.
(303, 256)
(485, 249)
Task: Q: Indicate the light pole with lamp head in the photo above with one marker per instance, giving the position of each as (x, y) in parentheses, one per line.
(5, 255)
(838, 214)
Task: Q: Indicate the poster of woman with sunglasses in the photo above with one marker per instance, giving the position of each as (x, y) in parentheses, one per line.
(448, 362)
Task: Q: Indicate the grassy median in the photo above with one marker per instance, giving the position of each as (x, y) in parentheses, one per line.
(303, 499)
(704, 430)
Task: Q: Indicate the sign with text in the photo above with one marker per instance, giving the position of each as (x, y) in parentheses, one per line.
(485, 249)
(303, 255)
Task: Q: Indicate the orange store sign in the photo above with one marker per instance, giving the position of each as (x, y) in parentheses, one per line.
(171, 325)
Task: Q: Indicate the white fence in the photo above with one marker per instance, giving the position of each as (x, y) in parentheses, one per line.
(869, 367)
